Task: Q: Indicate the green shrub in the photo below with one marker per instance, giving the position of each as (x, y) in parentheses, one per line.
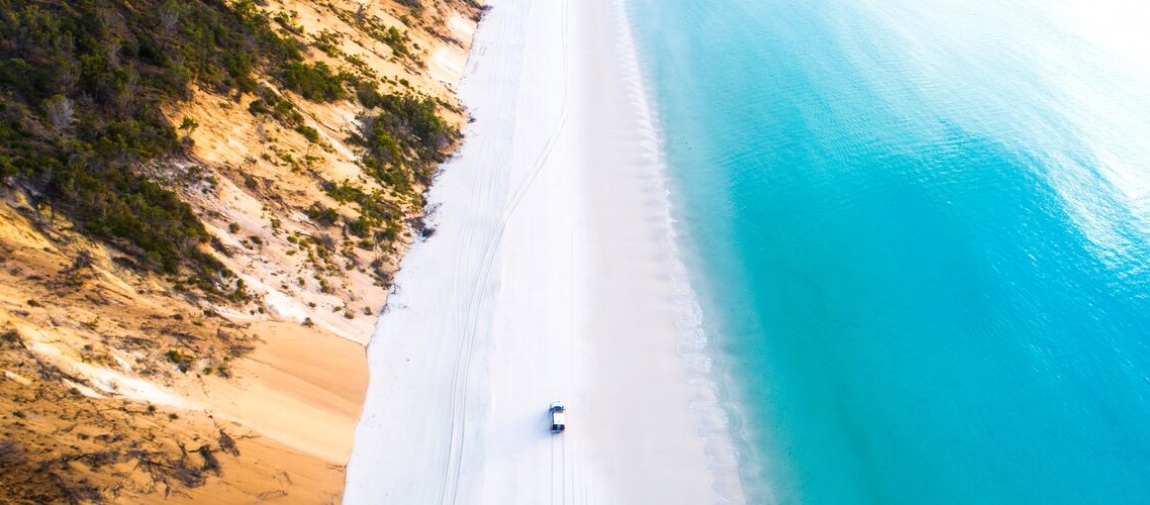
(277, 107)
(314, 81)
(308, 133)
(240, 293)
(183, 361)
(189, 125)
(396, 41)
(322, 215)
(360, 227)
(404, 131)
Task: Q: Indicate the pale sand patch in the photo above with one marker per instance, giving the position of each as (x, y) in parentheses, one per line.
(448, 61)
(18, 378)
(106, 380)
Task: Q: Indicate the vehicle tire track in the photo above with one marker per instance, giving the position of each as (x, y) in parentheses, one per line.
(551, 493)
(462, 375)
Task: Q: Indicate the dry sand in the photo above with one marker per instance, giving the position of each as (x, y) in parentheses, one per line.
(549, 277)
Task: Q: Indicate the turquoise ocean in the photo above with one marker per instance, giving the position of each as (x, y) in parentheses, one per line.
(919, 231)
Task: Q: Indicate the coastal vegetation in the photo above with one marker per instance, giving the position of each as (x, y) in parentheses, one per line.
(82, 89)
(181, 181)
(403, 135)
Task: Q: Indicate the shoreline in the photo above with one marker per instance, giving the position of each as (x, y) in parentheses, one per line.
(708, 385)
(552, 275)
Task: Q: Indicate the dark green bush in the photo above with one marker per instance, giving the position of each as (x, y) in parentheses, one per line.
(396, 41)
(308, 133)
(314, 81)
(360, 227)
(322, 215)
(404, 132)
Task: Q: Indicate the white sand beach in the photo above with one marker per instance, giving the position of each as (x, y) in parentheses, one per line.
(548, 277)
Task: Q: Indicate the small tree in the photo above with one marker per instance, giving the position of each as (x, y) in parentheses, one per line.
(189, 125)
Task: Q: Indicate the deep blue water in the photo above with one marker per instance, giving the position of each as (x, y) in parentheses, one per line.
(920, 233)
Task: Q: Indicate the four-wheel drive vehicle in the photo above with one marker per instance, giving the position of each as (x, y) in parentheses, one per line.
(558, 418)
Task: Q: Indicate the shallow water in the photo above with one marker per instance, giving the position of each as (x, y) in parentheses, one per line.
(920, 231)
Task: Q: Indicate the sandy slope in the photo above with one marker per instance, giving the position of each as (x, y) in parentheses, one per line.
(92, 401)
(548, 278)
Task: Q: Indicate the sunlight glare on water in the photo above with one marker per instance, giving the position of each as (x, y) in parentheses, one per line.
(920, 231)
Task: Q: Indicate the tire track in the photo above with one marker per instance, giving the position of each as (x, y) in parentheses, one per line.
(449, 491)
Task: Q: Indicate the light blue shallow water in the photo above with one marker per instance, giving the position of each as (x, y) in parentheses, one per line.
(920, 231)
